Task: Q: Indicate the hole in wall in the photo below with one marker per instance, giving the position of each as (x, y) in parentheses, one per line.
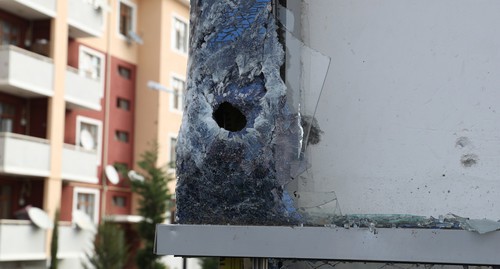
(469, 160)
(229, 117)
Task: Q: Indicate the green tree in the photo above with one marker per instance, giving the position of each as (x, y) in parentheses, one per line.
(54, 243)
(153, 204)
(209, 262)
(110, 249)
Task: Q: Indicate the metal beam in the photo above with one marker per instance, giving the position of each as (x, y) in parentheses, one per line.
(325, 243)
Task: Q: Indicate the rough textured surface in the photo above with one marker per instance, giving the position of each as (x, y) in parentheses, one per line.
(238, 137)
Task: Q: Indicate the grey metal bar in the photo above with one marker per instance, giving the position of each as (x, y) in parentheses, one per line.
(355, 244)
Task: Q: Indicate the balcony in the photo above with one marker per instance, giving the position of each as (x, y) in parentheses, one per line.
(86, 18)
(24, 73)
(74, 242)
(79, 164)
(24, 155)
(82, 91)
(20, 240)
(30, 9)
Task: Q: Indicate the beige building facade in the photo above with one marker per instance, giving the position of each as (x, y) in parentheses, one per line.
(85, 86)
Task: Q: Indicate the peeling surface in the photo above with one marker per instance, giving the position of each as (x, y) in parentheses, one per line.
(238, 136)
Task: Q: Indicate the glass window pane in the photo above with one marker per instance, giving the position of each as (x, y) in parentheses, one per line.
(124, 72)
(125, 19)
(91, 65)
(179, 87)
(7, 114)
(6, 125)
(123, 103)
(86, 203)
(181, 35)
(119, 201)
(92, 129)
(122, 136)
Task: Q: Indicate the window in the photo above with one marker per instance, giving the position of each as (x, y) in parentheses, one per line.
(123, 103)
(173, 146)
(7, 114)
(119, 201)
(179, 87)
(5, 200)
(122, 136)
(124, 72)
(9, 34)
(93, 127)
(127, 18)
(180, 35)
(91, 63)
(86, 200)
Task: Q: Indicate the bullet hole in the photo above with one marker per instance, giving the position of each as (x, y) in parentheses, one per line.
(444, 175)
(310, 124)
(462, 142)
(469, 160)
(229, 117)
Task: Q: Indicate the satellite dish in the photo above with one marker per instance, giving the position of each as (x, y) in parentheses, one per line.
(87, 140)
(112, 174)
(39, 218)
(83, 221)
(134, 176)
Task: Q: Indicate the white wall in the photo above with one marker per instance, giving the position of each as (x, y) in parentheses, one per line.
(412, 88)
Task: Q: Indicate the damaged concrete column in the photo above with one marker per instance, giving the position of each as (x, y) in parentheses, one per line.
(238, 137)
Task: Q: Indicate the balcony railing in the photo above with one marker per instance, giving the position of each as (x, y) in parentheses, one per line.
(86, 18)
(30, 156)
(30, 9)
(24, 73)
(74, 243)
(24, 155)
(79, 164)
(21, 241)
(82, 91)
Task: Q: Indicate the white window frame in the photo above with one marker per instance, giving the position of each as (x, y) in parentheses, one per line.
(169, 143)
(173, 36)
(180, 109)
(95, 192)
(134, 17)
(98, 123)
(83, 49)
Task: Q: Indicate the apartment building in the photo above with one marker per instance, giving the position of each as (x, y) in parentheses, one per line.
(84, 85)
